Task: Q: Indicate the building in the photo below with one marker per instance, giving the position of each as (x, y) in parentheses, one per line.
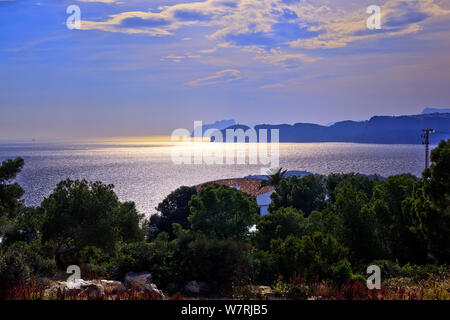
(251, 187)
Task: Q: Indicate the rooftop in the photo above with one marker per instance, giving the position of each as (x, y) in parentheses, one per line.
(247, 185)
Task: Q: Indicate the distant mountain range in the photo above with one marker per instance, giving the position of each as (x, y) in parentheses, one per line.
(379, 129)
(218, 125)
(435, 110)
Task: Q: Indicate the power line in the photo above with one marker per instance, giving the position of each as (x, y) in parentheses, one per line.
(426, 142)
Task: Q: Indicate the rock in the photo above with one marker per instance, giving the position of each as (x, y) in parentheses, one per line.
(154, 292)
(53, 291)
(137, 281)
(80, 287)
(265, 291)
(260, 292)
(112, 287)
(94, 291)
(195, 287)
(143, 282)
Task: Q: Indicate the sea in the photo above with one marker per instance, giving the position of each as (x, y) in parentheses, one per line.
(146, 172)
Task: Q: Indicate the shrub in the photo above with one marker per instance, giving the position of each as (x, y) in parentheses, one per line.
(417, 272)
(296, 288)
(263, 267)
(358, 277)
(342, 271)
(315, 255)
(20, 262)
(389, 269)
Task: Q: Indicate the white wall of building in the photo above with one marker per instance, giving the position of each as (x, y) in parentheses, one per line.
(263, 200)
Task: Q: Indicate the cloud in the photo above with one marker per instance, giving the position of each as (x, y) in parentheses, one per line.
(104, 1)
(272, 86)
(340, 27)
(219, 77)
(288, 60)
(280, 32)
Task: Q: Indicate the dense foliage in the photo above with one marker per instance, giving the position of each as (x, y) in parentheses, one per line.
(322, 228)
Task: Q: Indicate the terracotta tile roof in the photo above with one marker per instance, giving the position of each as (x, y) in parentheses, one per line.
(247, 185)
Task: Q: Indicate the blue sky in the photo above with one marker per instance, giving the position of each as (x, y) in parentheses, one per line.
(141, 67)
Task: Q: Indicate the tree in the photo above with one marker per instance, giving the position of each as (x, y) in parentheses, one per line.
(80, 213)
(397, 226)
(10, 193)
(20, 261)
(306, 194)
(24, 226)
(222, 212)
(174, 209)
(273, 178)
(430, 205)
(279, 225)
(310, 256)
(360, 224)
(334, 182)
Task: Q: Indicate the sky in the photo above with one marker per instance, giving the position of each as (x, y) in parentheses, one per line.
(148, 67)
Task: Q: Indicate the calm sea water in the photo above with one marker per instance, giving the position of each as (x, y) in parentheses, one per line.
(145, 174)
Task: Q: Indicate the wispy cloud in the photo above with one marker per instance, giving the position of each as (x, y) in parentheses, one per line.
(272, 24)
(272, 86)
(219, 77)
(104, 1)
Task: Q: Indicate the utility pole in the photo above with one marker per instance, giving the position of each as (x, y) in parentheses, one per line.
(426, 142)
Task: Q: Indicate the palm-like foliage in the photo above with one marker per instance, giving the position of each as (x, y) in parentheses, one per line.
(273, 177)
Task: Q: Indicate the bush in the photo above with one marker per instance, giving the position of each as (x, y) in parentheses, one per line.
(311, 256)
(20, 262)
(296, 288)
(263, 267)
(342, 271)
(389, 269)
(220, 263)
(133, 257)
(417, 272)
(358, 278)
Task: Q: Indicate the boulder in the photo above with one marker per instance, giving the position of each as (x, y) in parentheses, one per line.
(89, 289)
(137, 281)
(265, 292)
(94, 291)
(112, 287)
(260, 292)
(154, 292)
(195, 287)
(143, 282)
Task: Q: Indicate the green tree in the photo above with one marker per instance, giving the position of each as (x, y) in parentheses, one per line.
(24, 225)
(430, 205)
(79, 214)
(20, 261)
(310, 256)
(360, 224)
(306, 194)
(10, 192)
(174, 209)
(222, 212)
(397, 225)
(279, 225)
(334, 182)
(273, 178)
